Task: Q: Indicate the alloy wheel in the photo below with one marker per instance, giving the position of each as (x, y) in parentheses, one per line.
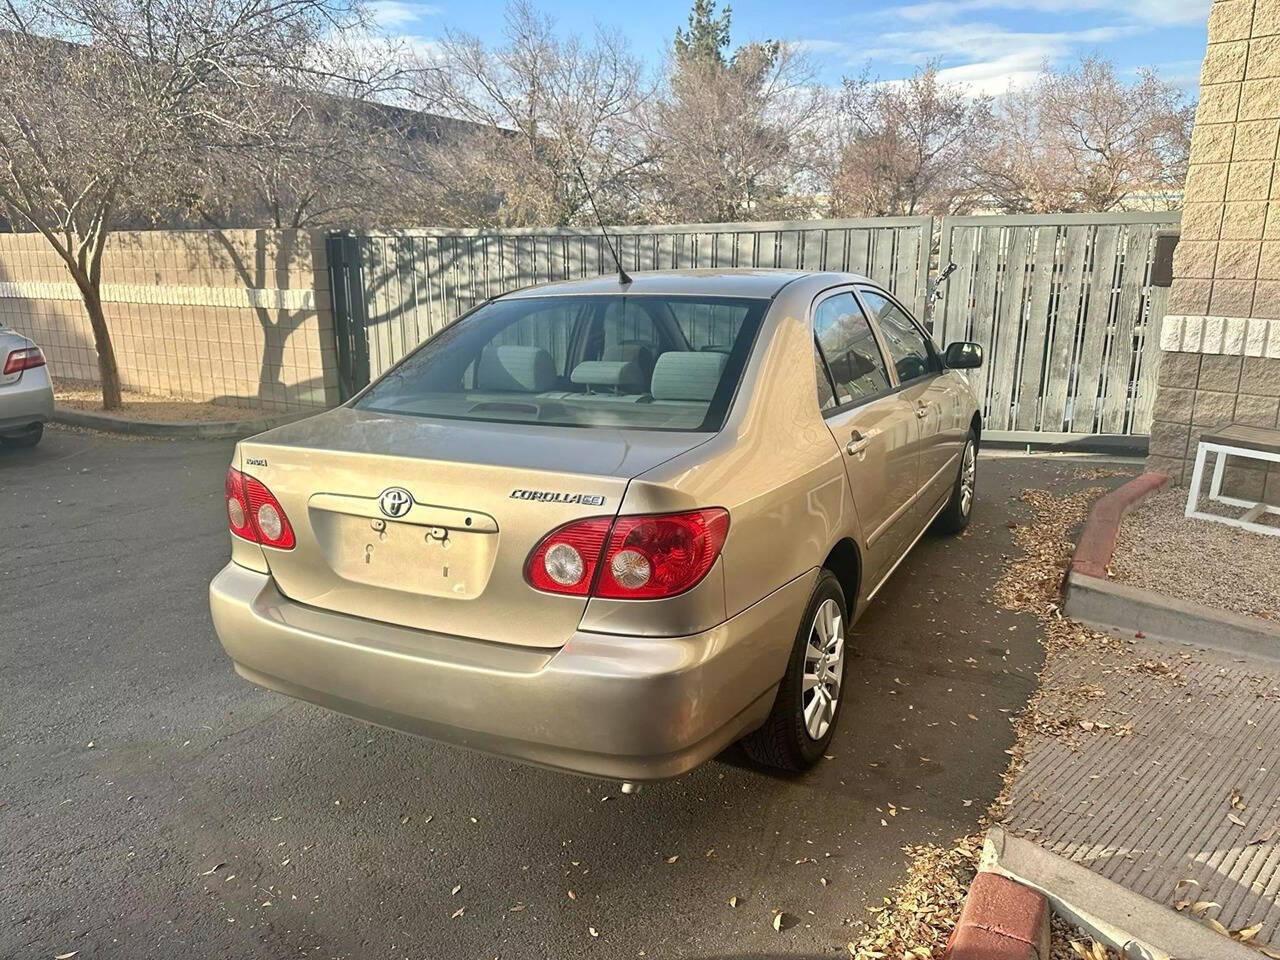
(823, 668)
(968, 478)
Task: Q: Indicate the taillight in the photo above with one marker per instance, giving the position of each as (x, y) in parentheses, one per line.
(641, 557)
(24, 359)
(255, 514)
(565, 561)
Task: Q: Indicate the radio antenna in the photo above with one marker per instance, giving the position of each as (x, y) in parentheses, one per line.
(623, 277)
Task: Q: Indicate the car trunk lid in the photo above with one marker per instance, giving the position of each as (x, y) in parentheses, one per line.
(465, 503)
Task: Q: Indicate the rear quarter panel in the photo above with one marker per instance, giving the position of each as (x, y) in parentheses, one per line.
(774, 467)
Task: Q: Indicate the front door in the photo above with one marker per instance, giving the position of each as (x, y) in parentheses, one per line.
(874, 427)
(924, 387)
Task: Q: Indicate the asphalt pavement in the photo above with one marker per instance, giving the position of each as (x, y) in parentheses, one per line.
(153, 804)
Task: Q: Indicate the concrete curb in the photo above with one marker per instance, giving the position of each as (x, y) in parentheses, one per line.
(1117, 606)
(180, 430)
(1001, 920)
(1098, 602)
(1131, 924)
(1098, 538)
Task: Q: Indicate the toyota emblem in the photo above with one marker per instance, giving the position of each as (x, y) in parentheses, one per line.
(395, 501)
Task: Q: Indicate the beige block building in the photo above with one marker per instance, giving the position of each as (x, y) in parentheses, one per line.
(1220, 341)
(237, 316)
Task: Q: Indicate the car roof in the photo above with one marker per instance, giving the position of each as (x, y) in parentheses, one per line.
(750, 282)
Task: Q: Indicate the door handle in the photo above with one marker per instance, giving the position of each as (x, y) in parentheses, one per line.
(857, 445)
(922, 410)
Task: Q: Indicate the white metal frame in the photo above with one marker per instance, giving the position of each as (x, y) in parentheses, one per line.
(1253, 508)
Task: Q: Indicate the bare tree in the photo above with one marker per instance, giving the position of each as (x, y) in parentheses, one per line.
(104, 108)
(318, 147)
(902, 145)
(1083, 139)
(538, 106)
(733, 135)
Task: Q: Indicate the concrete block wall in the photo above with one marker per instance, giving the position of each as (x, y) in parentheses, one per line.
(1220, 343)
(237, 316)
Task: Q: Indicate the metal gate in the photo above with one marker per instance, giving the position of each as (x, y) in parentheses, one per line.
(1065, 309)
(393, 290)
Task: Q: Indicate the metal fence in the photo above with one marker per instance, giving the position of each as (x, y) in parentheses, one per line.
(393, 290)
(1063, 305)
(1065, 309)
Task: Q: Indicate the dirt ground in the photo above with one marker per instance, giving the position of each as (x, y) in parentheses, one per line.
(1197, 560)
(145, 406)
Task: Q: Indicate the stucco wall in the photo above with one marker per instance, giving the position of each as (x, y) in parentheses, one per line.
(240, 316)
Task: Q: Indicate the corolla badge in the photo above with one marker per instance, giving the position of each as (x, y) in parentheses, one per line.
(395, 501)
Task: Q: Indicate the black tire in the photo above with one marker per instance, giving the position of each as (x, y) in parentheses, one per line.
(955, 515)
(29, 438)
(784, 741)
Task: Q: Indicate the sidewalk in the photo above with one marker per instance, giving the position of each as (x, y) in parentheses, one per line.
(1155, 767)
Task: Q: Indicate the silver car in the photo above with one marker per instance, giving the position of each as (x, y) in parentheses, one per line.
(26, 395)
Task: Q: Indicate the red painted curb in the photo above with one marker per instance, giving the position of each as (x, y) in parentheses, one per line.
(1098, 538)
(1001, 920)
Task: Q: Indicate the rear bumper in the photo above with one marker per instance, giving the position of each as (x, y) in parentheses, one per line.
(27, 402)
(630, 708)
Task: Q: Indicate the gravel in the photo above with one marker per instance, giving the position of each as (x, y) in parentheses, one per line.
(1197, 560)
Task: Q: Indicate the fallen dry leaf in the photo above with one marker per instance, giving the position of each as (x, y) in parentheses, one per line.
(733, 902)
(1234, 819)
(673, 859)
(1266, 836)
(212, 870)
(457, 913)
(1247, 933)
(593, 931)
(66, 956)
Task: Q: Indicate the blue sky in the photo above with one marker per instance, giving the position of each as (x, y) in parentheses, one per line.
(987, 44)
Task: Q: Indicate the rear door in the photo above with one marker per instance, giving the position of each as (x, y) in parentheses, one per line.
(872, 424)
(920, 373)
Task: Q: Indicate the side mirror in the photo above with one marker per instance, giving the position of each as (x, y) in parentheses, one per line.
(963, 356)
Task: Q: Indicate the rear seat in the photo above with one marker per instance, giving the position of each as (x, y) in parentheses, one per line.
(510, 368)
(610, 376)
(686, 376)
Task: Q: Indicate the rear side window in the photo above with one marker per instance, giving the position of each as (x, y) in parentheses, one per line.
(850, 349)
(618, 361)
(907, 349)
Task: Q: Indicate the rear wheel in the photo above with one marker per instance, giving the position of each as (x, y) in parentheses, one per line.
(27, 438)
(955, 515)
(804, 714)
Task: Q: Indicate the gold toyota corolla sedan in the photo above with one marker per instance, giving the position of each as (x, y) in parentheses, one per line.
(608, 528)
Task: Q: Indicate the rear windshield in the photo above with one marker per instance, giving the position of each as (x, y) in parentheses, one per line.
(645, 362)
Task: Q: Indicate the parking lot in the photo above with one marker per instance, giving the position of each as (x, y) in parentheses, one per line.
(156, 805)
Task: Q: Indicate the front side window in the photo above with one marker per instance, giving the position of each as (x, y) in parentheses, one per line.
(601, 361)
(850, 349)
(911, 357)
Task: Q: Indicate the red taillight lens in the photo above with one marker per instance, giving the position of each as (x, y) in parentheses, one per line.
(238, 507)
(662, 555)
(646, 557)
(566, 559)
(24, 359)
(255, 514)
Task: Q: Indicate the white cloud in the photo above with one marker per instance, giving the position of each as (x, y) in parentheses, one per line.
(1151, 12)
(393, 14)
